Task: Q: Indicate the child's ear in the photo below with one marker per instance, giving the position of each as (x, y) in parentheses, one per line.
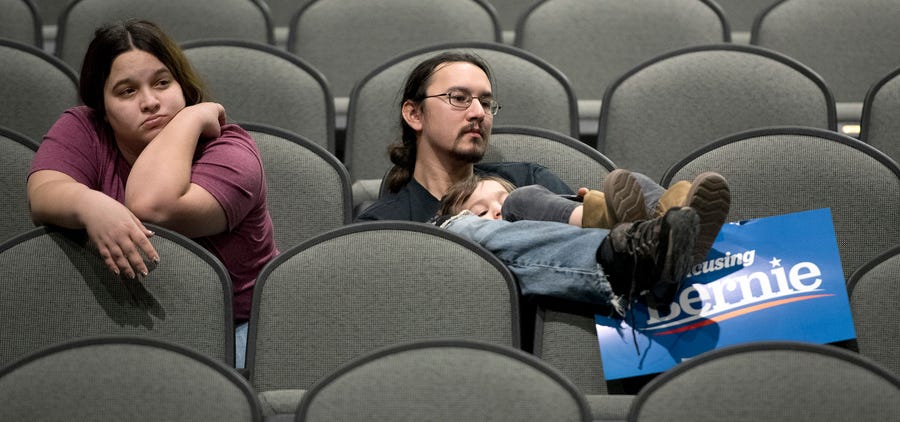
(412, 114)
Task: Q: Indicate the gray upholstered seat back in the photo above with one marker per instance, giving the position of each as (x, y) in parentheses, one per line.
(345, 40)
(308, 188)
(260, 83)
(124, 378)
(56, 287)
(445, 380)
(686, 99)
(182, 20)
(850, 44)
(880, 126)
(788, 169)
(595, 42)
(771, 381)
(21, 22)
(367, 285)
(16, 152)
(874, 289)
(576, 164)
(35, 87)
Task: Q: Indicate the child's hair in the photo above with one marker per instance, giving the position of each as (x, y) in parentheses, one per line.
(459, 192)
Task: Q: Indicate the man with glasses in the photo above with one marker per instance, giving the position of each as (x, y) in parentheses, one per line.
(447, 112)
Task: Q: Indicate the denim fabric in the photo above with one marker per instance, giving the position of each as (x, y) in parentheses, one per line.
(548, 258)
(240, 345)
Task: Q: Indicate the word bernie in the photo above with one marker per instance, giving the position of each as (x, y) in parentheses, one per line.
(727, 294)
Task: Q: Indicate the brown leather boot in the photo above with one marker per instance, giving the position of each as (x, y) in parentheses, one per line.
(622, 201)
(596, 212)
(674, 196)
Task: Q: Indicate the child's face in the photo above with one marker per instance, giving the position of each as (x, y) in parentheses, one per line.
(487, 200)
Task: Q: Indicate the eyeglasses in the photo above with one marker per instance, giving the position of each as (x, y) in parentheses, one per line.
(463, 100)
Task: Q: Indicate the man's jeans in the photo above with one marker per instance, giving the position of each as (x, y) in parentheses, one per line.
(548, 258)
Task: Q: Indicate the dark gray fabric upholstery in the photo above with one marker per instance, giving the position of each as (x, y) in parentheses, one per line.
(445, 380)
(595, 42)
(21, 22)
(510, 11)
(127, 379)
(367, 285)
(263, 84)
(874, 290)
(56, 287)
(880, 126)
(577, 164)
(308, 188)
(771, 381)
(283, 11)
(182, 20)
(788, 169)
(686, 99)
(35, 87)
(566, 338)
(850, 44)
(741, 13)
(609, 407)
(16, 152)
(50, 10)
(345, 40)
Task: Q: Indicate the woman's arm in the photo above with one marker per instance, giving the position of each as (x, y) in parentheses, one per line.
(159, 188)
(122, 241)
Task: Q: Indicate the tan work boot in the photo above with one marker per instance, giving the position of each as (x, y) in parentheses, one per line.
(596, 213)
(674, 196)
(621, 201)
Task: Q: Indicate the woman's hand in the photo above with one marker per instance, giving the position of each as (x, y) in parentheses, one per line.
(211, 117)
(121, 239)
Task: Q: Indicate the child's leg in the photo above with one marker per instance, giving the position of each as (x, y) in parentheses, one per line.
(536, 202)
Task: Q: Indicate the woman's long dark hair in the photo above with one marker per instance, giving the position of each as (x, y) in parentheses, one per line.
(113, 39)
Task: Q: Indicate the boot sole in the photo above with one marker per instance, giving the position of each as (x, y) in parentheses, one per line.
(682, 226)
(710, 197)
(624, 196)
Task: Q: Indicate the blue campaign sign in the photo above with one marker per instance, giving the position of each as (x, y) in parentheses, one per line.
(773, 278)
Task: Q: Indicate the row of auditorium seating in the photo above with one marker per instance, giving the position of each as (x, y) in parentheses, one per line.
(770, 170)
(675, 102)
(739, 13)
(654, 114)
(591, 42)
(141, 379)
(340, 296)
